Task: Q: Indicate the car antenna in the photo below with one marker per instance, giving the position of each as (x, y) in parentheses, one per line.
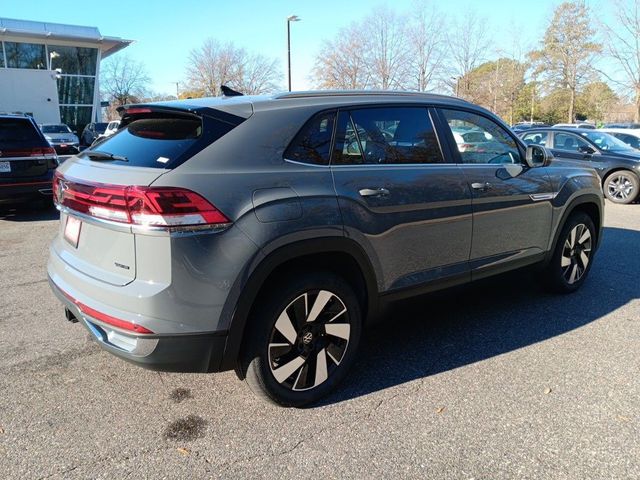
(230, 92)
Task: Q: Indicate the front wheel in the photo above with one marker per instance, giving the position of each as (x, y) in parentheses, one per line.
(304, 339)
(573, 254)
(621, 186)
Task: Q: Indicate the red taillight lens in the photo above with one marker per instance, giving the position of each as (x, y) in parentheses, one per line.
(31, 152)
(103, 317)
(135, 110)
(137, 205)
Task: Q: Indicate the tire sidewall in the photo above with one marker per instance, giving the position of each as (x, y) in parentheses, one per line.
(256, 358)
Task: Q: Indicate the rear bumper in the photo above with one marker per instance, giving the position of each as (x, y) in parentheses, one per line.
(171, 353)
(26, 189)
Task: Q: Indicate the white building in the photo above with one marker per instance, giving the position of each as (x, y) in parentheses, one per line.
(51, 71)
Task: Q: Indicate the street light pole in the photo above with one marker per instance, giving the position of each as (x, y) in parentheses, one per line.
(290, 18)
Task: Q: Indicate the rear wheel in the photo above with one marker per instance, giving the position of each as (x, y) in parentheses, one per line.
(304, 339)
(621, 186)
(572, 257)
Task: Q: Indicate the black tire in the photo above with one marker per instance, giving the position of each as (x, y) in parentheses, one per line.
(566, 271)
(273, 350)
(621, 186)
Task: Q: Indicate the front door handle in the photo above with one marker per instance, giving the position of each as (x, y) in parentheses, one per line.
(483, 187)
(373, 192)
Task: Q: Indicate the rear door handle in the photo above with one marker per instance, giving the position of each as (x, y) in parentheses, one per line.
(483, 187)
(373, 192)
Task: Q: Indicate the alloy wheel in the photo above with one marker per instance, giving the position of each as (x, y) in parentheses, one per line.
(576, 253)
(620, 187)
(309, 340)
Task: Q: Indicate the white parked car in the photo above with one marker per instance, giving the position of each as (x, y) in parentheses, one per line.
(112, 128)
(630, 136)
(575, 125)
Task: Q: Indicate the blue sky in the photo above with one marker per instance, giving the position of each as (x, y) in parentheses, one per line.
(165, 31)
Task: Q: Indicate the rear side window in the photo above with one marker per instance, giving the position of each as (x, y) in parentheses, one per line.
(536, 138)
(393, 135)
(18, 132)
(313, 143)
(162, 140)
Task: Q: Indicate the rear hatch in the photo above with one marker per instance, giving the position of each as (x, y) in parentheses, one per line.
(24, 152)
(105, 193)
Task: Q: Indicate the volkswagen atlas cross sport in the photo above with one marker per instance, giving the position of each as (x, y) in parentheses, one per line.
(262, 234)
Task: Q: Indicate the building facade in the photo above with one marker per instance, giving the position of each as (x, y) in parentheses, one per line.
(51, 71)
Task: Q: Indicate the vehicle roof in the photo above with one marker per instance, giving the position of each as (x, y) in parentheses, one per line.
(14, 115)
(627, 131)
(245, 105)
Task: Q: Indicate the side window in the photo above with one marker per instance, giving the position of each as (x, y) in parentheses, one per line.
(480, 140)
(312, 144)
(628, 139)
(393, 135)
(568, 142)
(539, 138)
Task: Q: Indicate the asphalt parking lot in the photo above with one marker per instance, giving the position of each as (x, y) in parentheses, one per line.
(496, 380)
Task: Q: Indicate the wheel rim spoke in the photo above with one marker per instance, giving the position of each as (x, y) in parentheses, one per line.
(565, 261)
(341, 330)
(288, 369)
(585, 236)
(286, 328)
(321, 301)
(574, 273)
(321, 368)
(584, 259)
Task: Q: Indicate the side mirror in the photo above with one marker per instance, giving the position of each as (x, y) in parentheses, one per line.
(586, 149)
(537, 156)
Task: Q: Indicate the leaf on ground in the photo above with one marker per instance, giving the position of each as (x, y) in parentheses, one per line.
(440, 409)
(1, 430)
(622, 418)
(183, 451)
(547, 391)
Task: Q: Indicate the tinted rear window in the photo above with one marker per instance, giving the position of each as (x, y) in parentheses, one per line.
(18, 132)
(162, 140)
(101, 127)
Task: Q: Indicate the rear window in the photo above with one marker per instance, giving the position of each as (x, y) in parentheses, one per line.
(18, 132)
(55, 129)
(313, 143)
(161, 140)
(101, 127)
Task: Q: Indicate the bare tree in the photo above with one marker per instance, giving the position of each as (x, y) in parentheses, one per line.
(426, 45)
(215, 64)
(340, 63)
(386, 49)
(468, 47)
(123, 80)
(624, 47)
(568, 51)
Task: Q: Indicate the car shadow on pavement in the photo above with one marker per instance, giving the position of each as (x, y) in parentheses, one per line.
(461, 326)
(27, 213)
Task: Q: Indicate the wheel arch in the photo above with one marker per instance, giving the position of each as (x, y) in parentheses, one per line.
(591, 204)
(335, 254)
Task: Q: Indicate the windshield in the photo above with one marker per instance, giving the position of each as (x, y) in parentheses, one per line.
(607, 142)
(55, 129)
(101, 127)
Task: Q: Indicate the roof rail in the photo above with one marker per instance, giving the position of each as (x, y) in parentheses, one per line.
(356, 93)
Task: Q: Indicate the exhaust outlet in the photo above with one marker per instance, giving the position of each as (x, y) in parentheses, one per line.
(70, 316)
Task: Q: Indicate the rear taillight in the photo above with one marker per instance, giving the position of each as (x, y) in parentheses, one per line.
(30, 152)
(170, 207)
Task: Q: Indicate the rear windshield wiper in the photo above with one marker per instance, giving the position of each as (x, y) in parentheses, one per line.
(98, 155)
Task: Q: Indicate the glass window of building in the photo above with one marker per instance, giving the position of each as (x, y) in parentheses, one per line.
(73, 90)
(76, 117)
(1, 55)
(25, 55)
(73, 60)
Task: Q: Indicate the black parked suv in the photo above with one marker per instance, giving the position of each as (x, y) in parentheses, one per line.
(262, 234)
(27, 161)
(617, 163)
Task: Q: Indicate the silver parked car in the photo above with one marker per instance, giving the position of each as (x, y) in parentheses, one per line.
(61, 138)
(262, 234)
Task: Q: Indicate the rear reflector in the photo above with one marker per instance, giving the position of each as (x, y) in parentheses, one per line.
(103, 317)
(168, 207)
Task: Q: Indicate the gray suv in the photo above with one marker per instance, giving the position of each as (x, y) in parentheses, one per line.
(262, 234)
